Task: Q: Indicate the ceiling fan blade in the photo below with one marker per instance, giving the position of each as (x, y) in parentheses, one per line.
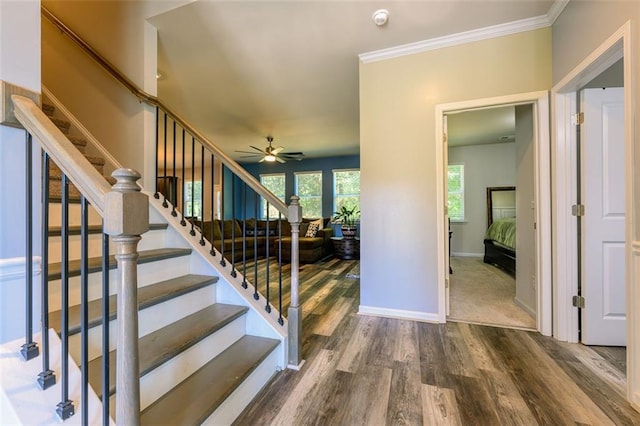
(280, 160)
(277, 150)
(249, 156)
(256, 148)
(261, 160)
(249, 152)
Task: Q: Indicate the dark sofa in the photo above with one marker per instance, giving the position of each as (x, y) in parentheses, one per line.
(260, 235)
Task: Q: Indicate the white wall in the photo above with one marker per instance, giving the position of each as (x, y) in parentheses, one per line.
(19, 65)
(398, 98)
(484, 166)
(525, 216)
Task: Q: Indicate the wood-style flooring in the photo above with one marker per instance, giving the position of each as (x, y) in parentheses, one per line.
(364, 370)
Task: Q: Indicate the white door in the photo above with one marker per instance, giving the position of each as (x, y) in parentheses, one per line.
(447, 248)
(603, 195)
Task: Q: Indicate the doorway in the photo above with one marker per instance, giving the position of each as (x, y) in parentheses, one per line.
(540, 283)
(566, 259)
(490, 178)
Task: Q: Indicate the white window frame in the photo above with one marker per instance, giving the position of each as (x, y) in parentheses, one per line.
(273, 212)
(188, 209)
(335, 195)
(295, 188)
(461, 191)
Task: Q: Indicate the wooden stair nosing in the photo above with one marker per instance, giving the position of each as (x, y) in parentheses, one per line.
(162, 345)
(198, 396)
(55, 231)
(147, 296)
(95, 263)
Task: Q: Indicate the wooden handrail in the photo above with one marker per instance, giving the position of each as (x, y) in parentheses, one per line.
(71, 161)
(143, 96)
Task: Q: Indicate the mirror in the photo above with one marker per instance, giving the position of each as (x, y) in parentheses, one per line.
(501, 203)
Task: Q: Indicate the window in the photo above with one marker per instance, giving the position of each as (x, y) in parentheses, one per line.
(274, 183)
(193, 199)
(346, 189)
(308, 187)
(455, 182)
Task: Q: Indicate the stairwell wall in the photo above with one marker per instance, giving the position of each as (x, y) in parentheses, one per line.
(118, 31)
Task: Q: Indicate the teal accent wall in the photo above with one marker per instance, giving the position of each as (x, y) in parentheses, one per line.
(325, 165)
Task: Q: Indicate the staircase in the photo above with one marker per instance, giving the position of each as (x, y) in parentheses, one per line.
(204, 351)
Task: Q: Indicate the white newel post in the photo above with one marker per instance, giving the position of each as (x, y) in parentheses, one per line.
(126, 217)
(294, 316)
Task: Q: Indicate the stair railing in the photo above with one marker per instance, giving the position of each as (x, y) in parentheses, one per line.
(185, 135)
(116, 205)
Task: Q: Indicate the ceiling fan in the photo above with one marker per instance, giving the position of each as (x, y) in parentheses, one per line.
(271, 154)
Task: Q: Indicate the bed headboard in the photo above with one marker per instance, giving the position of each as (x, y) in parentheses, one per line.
(501, 203)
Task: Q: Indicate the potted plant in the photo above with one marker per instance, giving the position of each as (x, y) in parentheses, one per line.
(348, 219)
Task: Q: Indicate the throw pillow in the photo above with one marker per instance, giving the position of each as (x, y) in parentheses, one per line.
(313, 229)
(304, 229)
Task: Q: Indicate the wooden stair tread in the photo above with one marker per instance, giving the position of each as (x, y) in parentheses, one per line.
(147, 296)
(48, 109)
(61, 124)
(95, 263)
(197, 397)
(55, 231)
(160, 346)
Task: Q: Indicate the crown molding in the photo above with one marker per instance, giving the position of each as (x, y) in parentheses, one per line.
(485, 33)
(556, 9)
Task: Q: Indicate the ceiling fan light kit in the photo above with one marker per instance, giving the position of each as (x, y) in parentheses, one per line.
(271, 154)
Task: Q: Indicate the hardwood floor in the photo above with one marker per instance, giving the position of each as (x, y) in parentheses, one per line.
(363, 370)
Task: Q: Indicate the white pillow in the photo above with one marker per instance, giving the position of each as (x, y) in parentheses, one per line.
(313, 228)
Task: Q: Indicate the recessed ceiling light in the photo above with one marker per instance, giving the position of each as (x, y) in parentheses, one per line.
(380, 17)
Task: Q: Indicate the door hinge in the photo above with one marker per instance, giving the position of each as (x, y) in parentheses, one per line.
(577, 210)
(446, 282)
(577, 119)
(444, 138)
(578, 302)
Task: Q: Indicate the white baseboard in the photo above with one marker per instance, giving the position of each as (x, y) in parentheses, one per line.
(455, 254)
(399, 313)
(526, 307)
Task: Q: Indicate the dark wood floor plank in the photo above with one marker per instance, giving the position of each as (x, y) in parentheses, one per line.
(367, 399)
(474, 401)
(434, 367)
(382, 348)
(405, 389)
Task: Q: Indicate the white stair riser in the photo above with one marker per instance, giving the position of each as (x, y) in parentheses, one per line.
(149, 320)
(159, 381)
(235, 403)
(148, 273)
(150, 240)
(75, 216)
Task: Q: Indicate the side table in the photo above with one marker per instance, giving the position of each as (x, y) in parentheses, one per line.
(346, 248)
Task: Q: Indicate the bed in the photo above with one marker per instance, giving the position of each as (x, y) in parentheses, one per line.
(500, 237)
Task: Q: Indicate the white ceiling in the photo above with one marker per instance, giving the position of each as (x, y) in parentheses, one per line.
(242, 70)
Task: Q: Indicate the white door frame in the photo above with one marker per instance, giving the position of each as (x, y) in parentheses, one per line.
(565, 267)
(542, 183)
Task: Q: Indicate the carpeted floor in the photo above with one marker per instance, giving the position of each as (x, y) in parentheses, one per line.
(484, 294)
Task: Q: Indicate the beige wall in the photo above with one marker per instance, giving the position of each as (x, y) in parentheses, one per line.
(398, 164)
